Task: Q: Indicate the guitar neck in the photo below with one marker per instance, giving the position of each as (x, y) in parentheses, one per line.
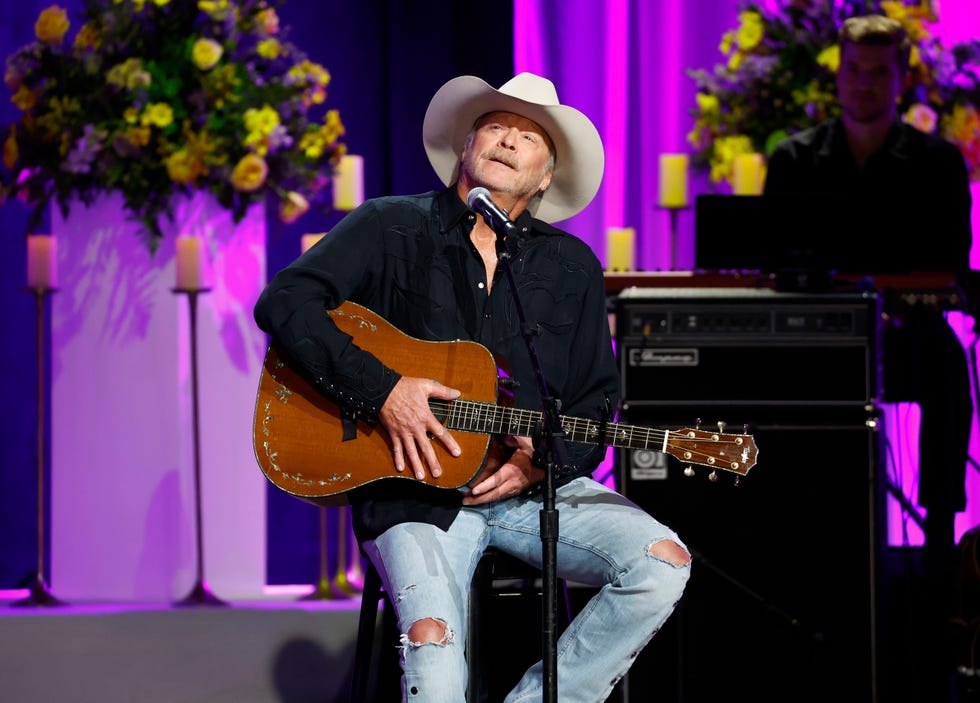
(488, 418)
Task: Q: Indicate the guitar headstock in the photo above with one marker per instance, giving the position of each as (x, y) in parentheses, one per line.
(736, 453)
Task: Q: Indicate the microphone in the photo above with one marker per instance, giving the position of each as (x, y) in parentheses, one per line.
(479, 200)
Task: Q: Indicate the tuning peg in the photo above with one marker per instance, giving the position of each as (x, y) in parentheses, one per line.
(688, 470)
(697, 424)
(713, 476)
(722, 425)
(738, 481)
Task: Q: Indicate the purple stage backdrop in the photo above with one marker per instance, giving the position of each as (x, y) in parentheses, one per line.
(622, 62)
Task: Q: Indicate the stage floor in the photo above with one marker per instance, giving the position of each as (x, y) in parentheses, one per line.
(287, 650)
(274, 651)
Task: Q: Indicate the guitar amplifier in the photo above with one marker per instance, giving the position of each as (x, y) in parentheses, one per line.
(748, 353)
(801, 371)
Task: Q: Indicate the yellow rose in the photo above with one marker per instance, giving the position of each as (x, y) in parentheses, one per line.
(216, 9)
(183, 167)
(312, 144)
(915, 56)
(129, 74)
(292, 207)
(269, 48)
(87, 37)
(830, 58)
(894, 9)
(10, 151)
(24, 98)
(262, 120)
(960, 125)
(206, 53)
(137, 136)
(52, 25)
(249, 174)
(157, 115)
(707, 104)
(726, 42)
(751, 31)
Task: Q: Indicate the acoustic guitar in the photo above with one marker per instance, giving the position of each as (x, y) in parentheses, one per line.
(301, 445)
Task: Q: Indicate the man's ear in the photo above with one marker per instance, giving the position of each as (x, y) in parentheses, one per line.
(545, 183)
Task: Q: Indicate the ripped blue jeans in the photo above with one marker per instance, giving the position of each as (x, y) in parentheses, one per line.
(604, 541)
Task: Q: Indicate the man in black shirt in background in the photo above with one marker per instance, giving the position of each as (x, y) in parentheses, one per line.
(904, 197)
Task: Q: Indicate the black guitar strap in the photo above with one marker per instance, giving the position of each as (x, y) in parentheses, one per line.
(348, 420)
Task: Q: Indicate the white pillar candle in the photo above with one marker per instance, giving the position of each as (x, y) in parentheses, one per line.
(308, 240)
(747, 170)
(620, 243)
(189, 263)
(42, 262)
(673, 180)
(348, 182)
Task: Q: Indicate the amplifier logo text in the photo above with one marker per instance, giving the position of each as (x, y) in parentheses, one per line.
(663, 357)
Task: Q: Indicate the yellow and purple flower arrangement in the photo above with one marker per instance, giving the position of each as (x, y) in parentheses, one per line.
(778, 78)
(156, 99)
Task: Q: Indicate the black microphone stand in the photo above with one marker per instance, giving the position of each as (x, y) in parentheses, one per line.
(551, 443)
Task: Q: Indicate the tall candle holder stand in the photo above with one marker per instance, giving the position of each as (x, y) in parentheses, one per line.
(342, 581)
(40, 594)
(348, 580)
(355, 566)
(674, 211)
(199, 593)
(324, 589)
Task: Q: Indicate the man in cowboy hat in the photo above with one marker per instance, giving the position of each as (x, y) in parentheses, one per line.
(429, 265)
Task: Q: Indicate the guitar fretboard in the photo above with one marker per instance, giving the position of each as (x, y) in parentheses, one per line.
(488, 418)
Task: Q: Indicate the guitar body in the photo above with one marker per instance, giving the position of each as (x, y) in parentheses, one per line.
(298, 434)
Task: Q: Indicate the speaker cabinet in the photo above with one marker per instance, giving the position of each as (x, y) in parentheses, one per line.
(781, 604)
(782, 601)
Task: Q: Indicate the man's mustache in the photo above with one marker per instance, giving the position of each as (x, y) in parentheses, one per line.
(502, 156)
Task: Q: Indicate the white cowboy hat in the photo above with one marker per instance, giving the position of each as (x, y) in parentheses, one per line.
(579, 157)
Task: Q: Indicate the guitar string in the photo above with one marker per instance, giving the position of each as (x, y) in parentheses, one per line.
(482, 417)
(478, 416)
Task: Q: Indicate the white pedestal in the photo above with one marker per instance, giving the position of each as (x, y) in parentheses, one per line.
(122, 462)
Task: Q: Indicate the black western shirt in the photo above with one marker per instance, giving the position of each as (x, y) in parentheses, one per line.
(410, 259)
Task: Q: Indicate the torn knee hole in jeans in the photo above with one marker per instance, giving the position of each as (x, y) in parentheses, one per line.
(428, 631)
(669, 551)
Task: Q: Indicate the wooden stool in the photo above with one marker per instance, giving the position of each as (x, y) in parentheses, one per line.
(498, 575)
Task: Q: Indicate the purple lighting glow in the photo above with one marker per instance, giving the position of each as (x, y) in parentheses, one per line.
(643, 110)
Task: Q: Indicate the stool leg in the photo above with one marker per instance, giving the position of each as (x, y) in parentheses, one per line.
(476, 686)
(370, 597)
(495, 565)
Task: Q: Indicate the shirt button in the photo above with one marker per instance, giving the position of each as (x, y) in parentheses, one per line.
(480, 284)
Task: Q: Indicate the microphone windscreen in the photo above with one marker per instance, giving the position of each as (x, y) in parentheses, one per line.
(472, 196)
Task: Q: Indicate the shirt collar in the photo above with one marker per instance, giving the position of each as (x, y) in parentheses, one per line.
(897, 143)
(452, 210)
